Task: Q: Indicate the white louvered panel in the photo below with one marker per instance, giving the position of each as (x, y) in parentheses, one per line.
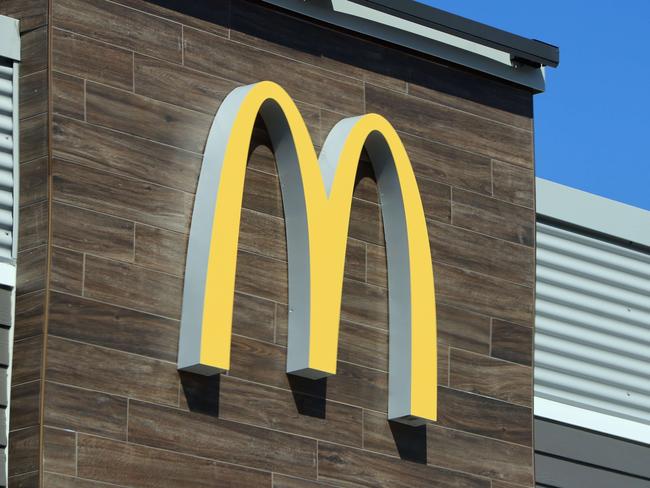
(6, 159)
(592, 341)
(8, 227)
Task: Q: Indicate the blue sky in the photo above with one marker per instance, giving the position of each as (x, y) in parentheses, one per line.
(593, 122)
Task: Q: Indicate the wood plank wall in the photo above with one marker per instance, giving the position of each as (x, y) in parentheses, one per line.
(24, 436)
(135, 86)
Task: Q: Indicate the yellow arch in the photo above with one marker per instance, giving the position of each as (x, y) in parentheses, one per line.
(317, 194)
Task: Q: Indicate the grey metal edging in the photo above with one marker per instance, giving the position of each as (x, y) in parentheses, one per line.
(9, 38)
(10, 44)
(593, 212)
(593, 448)
(422, 38)
(529, 50)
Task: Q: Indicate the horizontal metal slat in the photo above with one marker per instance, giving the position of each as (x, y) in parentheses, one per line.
(592, 343)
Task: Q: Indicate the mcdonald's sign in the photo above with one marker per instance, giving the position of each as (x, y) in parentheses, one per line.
(317, 198)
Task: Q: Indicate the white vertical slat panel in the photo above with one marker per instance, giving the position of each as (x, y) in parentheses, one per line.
(592, 340)
(7, 143)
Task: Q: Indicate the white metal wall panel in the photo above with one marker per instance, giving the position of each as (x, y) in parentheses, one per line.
(9, 164)
(592, 340)
(6, 158)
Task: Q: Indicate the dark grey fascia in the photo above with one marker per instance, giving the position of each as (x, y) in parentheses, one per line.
(480, 48)
(526, 50)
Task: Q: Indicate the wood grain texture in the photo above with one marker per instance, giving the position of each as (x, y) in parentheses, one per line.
(243, 64)
(349, 56)
(67, 270)
(493, 217)
(91, 232)
(33, 181)
(186, 88)
(262, 191)
(137, 200)
(110, 371)
(364, 304)
(101, 324)
(491, 377)
(26, 365)
(260, 233)
(33, 94)
(365, 346)
(55, 480)
(30, 309)
(483, 294)
(59, 451)
(462, 329)
(265, 363)
(477, 252)
(449, 165)
(25, 404)
(88, 59)
(129, 28)
(254, 317)
(376, 267)
(436, 199)
(133, 287)
(212, 18)
(160, 249)
(33, 51)
(479, 455)
(513, 184)
(508, 105)
(23, 450)
(214, 438)
(280, 481)
(31, 269)
(79, 410)
(125, 155)
(33, 226)
(68, 95)
(142, 467)
(295, 413)
(484, 416)
(33, 138)
(452, 127)
(261, 276)
(145, 117)
(27, 480)
(512, 342)
(352, 467)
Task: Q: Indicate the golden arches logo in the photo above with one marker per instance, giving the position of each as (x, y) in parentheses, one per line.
(317, 197)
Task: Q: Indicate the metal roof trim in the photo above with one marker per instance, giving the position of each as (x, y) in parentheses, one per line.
(530, 50)
(593, 212)
(9, 38)
(413, 33)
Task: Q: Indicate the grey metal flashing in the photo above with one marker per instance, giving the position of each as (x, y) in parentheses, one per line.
(557, 472)
(589, 211)
(9, 187)
(9, 38)
(471, 51)
(528, 50)
(593, 448)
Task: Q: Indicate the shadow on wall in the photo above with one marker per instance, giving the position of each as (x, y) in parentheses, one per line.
(315, 39)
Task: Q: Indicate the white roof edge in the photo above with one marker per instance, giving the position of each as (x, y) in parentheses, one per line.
(9, 38)
(348, 15)
(592, 212)
(589, 419)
